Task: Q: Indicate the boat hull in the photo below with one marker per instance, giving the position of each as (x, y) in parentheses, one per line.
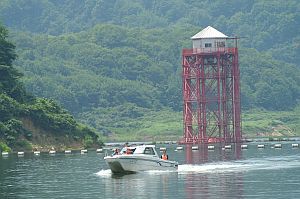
(136, 163)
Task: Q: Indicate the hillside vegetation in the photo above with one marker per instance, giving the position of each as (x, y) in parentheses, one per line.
(27, 122)
(116, 65)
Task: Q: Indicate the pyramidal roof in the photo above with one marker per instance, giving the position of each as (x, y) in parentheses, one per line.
(209, 32)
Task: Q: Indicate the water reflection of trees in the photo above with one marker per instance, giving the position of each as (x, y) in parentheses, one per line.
(7, 168)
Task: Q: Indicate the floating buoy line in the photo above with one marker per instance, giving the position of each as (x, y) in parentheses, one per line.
(178, 148)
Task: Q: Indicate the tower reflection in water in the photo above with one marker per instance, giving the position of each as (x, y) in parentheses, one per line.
(212, 177)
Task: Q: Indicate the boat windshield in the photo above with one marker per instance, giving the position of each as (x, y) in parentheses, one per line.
(125, 150)
(145, 150)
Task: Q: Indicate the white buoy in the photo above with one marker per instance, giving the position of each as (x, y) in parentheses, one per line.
(68, 151)
(4, 153)
(295, 145)
(36, 152)
(162, 148)
(227, 147)
(99, 150)
(83, 151)
(179, 148)
(244, 146)
(52, 152)
(261, 146)
(278, 146)
(210, 147)
(195, 148)
(20, 153)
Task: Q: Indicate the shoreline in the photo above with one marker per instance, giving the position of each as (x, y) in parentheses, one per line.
(108, 145)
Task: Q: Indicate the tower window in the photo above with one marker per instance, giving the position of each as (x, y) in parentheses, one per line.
(220, 44)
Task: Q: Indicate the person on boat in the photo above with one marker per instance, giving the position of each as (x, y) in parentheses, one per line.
(116, 152)
(125, 148)
(164, 156)
(128, 151)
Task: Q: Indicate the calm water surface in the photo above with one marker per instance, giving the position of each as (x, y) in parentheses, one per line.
(251, 173)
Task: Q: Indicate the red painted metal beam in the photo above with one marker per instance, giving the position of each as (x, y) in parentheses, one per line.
(211, 96)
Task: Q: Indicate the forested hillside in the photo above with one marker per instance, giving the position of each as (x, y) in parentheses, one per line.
(116, 64)
(27, 122)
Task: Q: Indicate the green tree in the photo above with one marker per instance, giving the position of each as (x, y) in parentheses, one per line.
(7, 49)
(9, 76)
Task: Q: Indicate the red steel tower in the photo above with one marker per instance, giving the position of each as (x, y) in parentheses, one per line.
(211, 89)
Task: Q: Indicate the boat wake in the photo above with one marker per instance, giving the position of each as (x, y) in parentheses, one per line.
(272, 163)
(252, 164)
(104, 173)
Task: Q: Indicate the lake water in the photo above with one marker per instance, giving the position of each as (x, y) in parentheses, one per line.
(252, 173)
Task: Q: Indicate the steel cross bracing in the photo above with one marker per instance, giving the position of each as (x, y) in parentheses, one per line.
(211, 96)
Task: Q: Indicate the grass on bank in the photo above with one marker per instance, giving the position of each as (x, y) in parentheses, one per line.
(261, 123)
(167, 125)
(153, 126)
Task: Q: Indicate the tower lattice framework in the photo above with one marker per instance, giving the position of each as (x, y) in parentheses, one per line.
(211, 95)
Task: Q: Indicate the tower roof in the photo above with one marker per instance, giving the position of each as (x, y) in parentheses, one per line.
(209, 32)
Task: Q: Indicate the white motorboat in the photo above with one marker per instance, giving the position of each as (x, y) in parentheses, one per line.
(143, 158)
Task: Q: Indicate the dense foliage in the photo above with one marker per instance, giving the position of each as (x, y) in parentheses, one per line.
(101, 58)
(16, 104)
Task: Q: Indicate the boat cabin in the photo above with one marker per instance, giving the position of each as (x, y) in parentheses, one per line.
(146, 150)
